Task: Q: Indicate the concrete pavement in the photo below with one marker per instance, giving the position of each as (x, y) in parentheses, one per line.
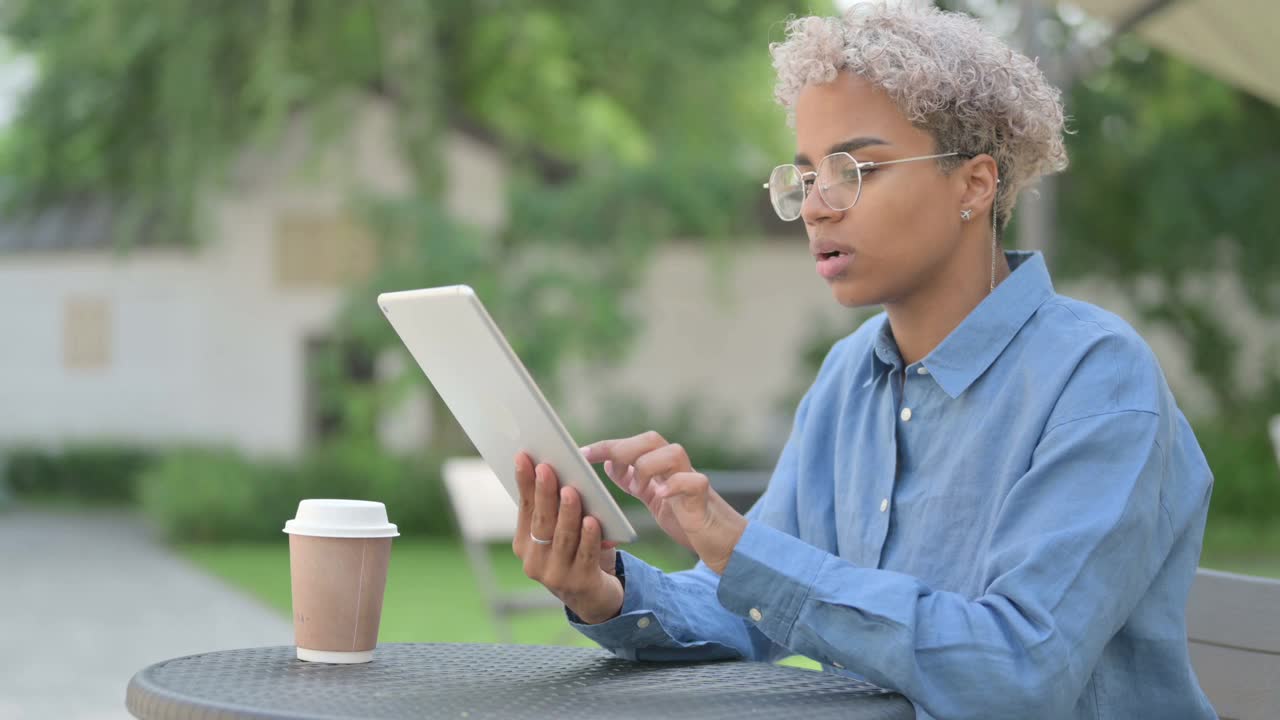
(88, 598)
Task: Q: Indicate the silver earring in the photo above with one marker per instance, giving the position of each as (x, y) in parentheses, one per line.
(995, 243)
(966, 214)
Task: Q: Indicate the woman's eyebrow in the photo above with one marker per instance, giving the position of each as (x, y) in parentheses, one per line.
(848, 146)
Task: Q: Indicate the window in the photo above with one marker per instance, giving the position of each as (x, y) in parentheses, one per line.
(86, 334)
(333, 367)
(317, 251)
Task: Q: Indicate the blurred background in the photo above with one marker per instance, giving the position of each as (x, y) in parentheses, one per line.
(200, 202)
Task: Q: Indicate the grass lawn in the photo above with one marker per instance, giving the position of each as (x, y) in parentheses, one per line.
(1241, 548)
(431, 594)
(432, 597)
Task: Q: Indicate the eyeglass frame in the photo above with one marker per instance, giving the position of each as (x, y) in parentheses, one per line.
(859, 165)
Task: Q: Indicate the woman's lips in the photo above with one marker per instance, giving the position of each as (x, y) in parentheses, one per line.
(831, 266)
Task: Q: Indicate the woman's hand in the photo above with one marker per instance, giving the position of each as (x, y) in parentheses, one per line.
(574, 565)
(680, 499)
(623, 464)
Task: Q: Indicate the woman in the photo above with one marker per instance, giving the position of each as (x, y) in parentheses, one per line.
(989, 500)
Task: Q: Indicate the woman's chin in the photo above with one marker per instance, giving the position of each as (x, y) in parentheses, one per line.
(850, 294)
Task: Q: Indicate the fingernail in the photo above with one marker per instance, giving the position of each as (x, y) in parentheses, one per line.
(564, 494)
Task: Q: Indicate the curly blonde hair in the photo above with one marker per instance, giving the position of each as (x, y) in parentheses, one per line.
(947, 74)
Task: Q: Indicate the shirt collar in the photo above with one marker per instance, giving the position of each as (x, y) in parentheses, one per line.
(973, 346)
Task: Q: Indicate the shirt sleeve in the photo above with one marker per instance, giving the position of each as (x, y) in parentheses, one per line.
(677, 616)
(1079, 539)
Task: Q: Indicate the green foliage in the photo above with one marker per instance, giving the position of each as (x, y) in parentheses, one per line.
(411, 487)
(208, 494)
(1243, 459)
(1246, 479)
(92, 473)
(219, 495)
(204, 495)
(146, 103)
(1174, 175)
(1241, 547)
(622, 125)
(1167, 161)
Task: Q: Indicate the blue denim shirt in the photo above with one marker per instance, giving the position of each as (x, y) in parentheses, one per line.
(1008, 528)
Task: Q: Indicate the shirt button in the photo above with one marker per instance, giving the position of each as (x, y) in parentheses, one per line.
(643, 623)
(755, 615)
(884, 504)
(906, 415)
(922, 370)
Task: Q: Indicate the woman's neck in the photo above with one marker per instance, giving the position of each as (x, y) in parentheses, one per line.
(923, 319)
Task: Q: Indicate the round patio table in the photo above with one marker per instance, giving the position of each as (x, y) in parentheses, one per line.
(473, 681)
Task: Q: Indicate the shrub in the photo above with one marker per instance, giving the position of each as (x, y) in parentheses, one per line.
(216, 495)
(219, 495)
(96, 473)
(1246, 478)
(411, 487)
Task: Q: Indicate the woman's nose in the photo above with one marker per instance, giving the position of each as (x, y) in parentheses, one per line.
(815, 209)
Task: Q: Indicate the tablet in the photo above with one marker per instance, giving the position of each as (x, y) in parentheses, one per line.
(487, 388)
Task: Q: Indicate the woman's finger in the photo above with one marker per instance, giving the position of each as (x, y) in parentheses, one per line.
(587, 559)
(568, 528)
(658, 464)
(625, 451)
(608, 560)
(686, 486)
(621, 475)
(546, 506)
(525, 484)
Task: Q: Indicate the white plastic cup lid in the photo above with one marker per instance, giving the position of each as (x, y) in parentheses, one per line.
(341, 518)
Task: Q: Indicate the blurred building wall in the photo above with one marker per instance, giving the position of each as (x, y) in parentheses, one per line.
(729, 336)
(724, 331)
(160, 347)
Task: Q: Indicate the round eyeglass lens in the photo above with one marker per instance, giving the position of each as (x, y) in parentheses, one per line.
(786, 191)
(839, 181)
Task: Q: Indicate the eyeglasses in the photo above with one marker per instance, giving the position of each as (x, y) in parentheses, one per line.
(839, 180)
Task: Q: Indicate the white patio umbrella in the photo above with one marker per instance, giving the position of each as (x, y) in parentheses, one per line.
(1237, 41)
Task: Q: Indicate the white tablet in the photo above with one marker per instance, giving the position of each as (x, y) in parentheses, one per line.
(489, 391)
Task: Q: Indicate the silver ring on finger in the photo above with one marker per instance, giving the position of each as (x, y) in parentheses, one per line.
(538, 540)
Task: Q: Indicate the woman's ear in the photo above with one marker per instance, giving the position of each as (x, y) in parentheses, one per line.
(977, 179)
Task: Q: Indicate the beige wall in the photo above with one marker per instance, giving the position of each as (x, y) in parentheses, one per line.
(208, 346)
(729, 335)
(211, 351)
(726, 332)
(202, 346)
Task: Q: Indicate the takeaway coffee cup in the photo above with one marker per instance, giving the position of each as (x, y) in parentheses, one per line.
(338, 556)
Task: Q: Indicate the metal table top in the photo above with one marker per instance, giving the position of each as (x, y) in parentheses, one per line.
(420, 680)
